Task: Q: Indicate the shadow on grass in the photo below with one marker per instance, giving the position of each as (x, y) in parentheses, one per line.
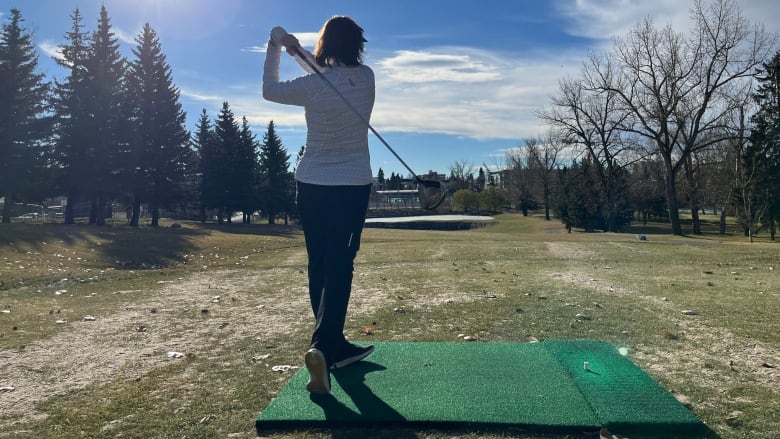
(279, 230)
(125, 247)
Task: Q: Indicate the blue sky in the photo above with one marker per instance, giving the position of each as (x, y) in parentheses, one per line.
(457, 80)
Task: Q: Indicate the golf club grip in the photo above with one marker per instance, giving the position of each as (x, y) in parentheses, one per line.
(308, 62)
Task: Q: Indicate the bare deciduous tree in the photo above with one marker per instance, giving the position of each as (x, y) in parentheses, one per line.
(589, 116)
(461, 175)
(545, 157)
(519, 176)
(680, 90)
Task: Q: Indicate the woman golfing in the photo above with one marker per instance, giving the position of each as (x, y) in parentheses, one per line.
(333, 177)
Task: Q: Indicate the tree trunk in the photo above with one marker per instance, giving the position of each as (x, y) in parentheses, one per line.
(202, 214)
(136, 214)
(695, 219)
(69, 219)
(772, 229)
(102, 205)
(7, 208)
(722, 224)
(693, 193)
(546, 202)
(671, 201)
(93, 207)
(155, 215)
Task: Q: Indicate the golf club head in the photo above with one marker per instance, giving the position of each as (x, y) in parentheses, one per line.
(431, 193)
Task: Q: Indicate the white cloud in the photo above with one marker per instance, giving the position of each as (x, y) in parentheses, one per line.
(488, 96)
(124, 36)
(605, 19)
(424, 66)
(51, 49)
(256, 49)
(195, 96)
(307, 39)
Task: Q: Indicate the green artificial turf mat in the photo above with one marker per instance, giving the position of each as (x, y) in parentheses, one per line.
(623, 397)
(536, 386)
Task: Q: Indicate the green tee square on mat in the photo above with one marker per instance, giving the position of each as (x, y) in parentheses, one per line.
(536, 386)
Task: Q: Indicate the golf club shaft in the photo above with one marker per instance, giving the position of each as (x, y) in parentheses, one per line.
(349, 104)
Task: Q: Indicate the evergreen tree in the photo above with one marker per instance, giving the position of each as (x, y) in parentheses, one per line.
(299, 156)
(764, 148)
(159, 150)
(481, 179)
(227, 187)
(568, 205)
(208, 154)
(71, 116)
(394, 183)
(276, 186)
(108, 114)
(24, 129)
(578, 202)
(380, 179)
(246, 172)
(647, 192)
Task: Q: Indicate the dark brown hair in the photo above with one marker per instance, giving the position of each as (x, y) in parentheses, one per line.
(340, 43)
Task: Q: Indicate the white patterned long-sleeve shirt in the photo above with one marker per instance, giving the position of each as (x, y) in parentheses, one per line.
(336, 150)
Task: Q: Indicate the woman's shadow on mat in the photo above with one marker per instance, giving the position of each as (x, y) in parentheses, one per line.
(372, 411)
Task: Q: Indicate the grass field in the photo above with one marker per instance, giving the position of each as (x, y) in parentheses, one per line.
(172, 333)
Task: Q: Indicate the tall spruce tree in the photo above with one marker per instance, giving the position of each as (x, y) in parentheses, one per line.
(580, 201)
(277, 191)
(108, 115)
(159, 149)
(227, 188)
(71, 116)
(763, 151)
(380, 178)
(246, 171)
(24, 128)
(208, 155)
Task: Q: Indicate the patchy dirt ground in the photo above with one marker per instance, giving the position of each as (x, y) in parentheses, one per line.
(129, 343)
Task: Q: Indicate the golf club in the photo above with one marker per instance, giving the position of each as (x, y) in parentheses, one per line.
(430, 192)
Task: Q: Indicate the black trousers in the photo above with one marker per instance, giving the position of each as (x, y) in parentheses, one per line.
(332, 219)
